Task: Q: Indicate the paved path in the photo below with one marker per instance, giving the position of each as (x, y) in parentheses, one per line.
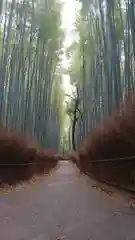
(64, 207)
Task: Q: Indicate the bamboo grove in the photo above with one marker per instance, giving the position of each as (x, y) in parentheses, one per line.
(102, 60)
(30, 50)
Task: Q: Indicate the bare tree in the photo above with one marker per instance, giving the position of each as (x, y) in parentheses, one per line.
(74, 112)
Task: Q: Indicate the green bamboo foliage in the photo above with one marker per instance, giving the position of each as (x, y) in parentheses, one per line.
(30, 48)
(103, 60)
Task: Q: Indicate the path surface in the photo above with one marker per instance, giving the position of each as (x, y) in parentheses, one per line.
(64, 207)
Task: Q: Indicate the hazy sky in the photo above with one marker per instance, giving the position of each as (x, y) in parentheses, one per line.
(68, 19)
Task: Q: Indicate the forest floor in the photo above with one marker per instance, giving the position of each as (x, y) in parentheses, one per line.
(66, 205)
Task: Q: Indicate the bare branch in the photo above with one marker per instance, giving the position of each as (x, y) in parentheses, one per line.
(67, 95)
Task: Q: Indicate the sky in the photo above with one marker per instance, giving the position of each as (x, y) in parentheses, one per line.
(70, 8)
(68, 19)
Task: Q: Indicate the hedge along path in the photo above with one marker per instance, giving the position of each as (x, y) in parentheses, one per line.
(108, 153)
(20, 161)
(127, 161)
(35, 179)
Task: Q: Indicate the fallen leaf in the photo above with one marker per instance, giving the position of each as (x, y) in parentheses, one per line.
(117, 214)
(61, 238)
(108, 191)
(131, 204)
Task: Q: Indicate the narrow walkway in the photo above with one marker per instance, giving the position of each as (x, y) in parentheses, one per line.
(64, 207)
